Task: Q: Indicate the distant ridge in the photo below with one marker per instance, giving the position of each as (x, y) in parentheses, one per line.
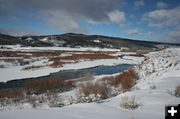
(78, 40)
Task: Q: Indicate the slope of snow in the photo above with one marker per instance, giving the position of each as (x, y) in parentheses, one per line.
(154, 71)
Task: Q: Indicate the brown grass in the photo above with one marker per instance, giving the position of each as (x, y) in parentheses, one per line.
(177, 91)
(33, 67)
(128, 102)
(109, 80)
(133, 73)
(33, 54)
(83, 56)
(47, 53)
(88, 88)
(12, 60)
(137, 55)
(126, 79)
(75, 57)
(54, 55)
(70, 82)
(58, 63)
(16, 94)
(41, 86)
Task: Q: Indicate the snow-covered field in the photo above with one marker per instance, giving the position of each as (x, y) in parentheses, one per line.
(159, 75)
(14, 71)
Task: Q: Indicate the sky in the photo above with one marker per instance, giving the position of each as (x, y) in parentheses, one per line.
(150, 20)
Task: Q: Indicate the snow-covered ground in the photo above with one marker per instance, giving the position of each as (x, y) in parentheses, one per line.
(16, 72)
(18, 47)
(159, 74)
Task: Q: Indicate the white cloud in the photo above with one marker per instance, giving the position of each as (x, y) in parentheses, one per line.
(133, 32)
(139, 3)
(163, 17)
(150, 34)
(64, 15)
(63, 21)
(161, 4)
(18, 31)
(171, 37)
(117, 16)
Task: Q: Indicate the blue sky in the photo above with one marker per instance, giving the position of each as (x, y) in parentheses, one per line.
(152, 20)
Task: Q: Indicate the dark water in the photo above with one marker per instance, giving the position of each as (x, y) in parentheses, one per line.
(69, 74)
(99, 70)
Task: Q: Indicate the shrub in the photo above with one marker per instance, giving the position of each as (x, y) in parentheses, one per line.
(91, 90)
(133, 73)
(87, 76)
(128, 102)
(126, 80)
(89, 98)
(152, 86)
(2, 66)
(109, 80)
(55, 100)
(177, 91)
(69, 83)
(17, 94)
(41, 86)
(11, 96)
(118, 80)
(32, 99)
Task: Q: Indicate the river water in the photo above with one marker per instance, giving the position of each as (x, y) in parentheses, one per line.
(70, 74)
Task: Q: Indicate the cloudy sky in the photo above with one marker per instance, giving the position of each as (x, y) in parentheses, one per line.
(152, 20)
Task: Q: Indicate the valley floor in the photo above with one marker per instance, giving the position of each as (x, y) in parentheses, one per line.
(40, 65)
(159, 76)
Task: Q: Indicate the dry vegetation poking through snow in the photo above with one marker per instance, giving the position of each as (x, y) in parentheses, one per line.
(50, 58)
(155, 65)
(160, 62)
(36, 93)
(141, 90)
(106, 87)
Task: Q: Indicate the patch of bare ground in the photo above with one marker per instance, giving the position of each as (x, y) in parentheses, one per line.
(137, 55)
(53, 55)
(33, 67)
(58, 63)
(9, 60)
(76, 57)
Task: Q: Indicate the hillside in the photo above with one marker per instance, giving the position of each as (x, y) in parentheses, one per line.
(77, 40)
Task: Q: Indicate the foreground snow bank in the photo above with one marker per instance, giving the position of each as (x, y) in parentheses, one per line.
(161, 69)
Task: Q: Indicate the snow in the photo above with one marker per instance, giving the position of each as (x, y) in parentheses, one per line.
(11, 72)
(18, 47)
(154, 71)
(29, 39)
(96, 41)
(17, 73)
(44, 39)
